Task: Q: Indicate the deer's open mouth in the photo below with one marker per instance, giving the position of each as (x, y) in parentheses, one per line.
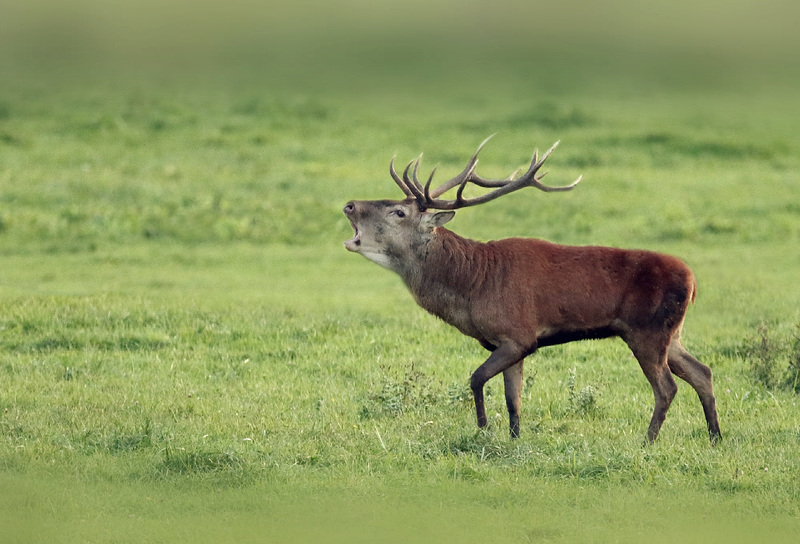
(353, 243)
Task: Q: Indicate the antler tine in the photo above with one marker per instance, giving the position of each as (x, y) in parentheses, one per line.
(464, 175)
(460, 193)
(414, 177)
(533, 181)
(400, 183)
(414, 187)
(540, 162)
(428, 184)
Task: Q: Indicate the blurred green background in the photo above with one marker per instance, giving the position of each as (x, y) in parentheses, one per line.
(185, 344)
(361, 42)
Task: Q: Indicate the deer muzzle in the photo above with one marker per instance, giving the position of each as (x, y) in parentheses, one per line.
(353, 243)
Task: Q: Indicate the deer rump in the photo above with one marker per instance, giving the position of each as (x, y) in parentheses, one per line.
(518, 294)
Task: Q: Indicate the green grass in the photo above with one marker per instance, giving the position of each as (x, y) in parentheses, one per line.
(187, 352)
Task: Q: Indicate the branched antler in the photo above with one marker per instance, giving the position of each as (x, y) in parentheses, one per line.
(428, 199)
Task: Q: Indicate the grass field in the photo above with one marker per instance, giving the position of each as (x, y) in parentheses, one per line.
(187, 352)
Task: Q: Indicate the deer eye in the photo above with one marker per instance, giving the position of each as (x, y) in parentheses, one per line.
(400, 213)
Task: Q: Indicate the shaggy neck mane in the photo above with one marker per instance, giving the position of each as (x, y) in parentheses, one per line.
(454, 262)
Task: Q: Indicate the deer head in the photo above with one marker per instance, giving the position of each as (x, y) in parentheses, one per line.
(392, 233)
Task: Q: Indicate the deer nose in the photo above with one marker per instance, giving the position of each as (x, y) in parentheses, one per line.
(349, 208)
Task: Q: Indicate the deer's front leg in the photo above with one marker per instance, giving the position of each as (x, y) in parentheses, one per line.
(512, 381)
(501, 358)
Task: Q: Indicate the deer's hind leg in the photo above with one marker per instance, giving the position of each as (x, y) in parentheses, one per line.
(698, 375)
(651, 352)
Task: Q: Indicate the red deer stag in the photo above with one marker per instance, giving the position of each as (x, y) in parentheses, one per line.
(517, 295)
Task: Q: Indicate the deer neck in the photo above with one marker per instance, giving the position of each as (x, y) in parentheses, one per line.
(445, 271)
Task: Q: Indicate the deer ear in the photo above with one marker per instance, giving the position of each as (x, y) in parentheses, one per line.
(439, 219)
